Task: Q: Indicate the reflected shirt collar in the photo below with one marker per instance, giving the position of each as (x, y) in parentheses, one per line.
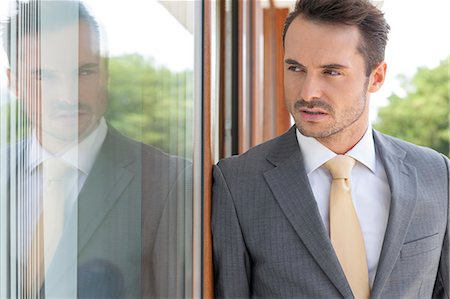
(315, 154)
(81, 156)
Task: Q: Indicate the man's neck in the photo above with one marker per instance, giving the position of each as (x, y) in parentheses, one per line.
(343, 141)
(55, 145)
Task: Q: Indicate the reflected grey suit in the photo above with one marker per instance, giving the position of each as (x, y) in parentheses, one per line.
(128, 224)
(269, 240)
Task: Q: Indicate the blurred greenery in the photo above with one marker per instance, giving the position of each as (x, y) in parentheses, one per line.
(422, 115)
(14, 125)
(151, 104)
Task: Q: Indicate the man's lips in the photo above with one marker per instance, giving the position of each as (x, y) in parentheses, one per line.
(313, 110)
(69, 114)
(313, 114)
(70, 118)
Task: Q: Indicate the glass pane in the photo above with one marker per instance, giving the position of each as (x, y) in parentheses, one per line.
(96, 132)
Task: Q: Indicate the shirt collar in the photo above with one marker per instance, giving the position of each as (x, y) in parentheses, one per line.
(315, 154)
(364, 150)
(84, 154)
(80, 156)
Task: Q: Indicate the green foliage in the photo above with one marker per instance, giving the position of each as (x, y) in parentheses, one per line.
(422, 116)
(14, 125)
(152, 105)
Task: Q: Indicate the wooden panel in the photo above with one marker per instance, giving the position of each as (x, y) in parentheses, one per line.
(282, 115)
(208, 281)
(244, 124)
(276, 116)
(251, 104)
(257, 102)
(269, 74)
(222, 74)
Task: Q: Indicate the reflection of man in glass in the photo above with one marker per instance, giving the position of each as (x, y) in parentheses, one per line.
(119, 216)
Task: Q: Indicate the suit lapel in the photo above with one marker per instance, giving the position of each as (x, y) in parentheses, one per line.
(290, 186)
(109, 177)
(402, 182)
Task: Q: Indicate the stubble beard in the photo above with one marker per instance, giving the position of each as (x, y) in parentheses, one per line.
(342, 122)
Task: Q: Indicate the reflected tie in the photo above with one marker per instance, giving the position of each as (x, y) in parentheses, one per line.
(54, 171)
(345, 230)
(50, 224)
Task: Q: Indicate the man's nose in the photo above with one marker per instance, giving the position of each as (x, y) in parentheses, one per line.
(68, 90)
(311, 88)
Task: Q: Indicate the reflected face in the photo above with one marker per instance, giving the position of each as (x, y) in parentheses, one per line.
(65, 93)
(326, 88)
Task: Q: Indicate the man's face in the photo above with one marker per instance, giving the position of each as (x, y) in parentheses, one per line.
(324, 78)
(65, 93)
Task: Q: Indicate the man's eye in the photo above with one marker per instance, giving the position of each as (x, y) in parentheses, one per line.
(86, 72)
(332, 72)
(294, 68)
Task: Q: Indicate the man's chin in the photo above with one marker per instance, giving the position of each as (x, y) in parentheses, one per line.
(62, 136)
(70, 133)
(315, 131)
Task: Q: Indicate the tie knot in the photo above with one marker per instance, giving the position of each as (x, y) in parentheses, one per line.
(340, 166)
(54, 169)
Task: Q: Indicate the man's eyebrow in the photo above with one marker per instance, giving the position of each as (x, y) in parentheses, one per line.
(325, 66)
(88, 65)
(333, 66)
(292, 61)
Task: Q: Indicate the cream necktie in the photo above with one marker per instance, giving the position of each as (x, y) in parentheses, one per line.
(55, 184)
(50, 225)
(345, 230)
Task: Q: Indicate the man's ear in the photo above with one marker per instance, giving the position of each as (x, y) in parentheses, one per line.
(8, 75)
(377, 77)
(12, 83)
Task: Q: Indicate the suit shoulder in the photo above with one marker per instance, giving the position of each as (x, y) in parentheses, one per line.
(149, 156)
(420, 156)
(254, 158)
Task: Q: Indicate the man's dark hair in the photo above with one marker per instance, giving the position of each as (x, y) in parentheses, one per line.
(28, 15)
(364, 15)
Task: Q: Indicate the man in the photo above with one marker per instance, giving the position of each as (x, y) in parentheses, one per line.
(288, 223)
(117, 227)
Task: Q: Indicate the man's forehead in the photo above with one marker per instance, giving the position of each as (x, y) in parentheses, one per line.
(75, 36)
(59, 52)
(332, 43)
(302, 28)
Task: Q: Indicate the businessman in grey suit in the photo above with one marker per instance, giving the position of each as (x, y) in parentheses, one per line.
(277, 231)
(121, 230)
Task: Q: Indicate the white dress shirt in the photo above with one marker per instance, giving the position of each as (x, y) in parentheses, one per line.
(82, 157)
(370, 189)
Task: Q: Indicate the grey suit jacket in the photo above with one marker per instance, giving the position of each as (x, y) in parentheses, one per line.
(269, 240)
(128, 225)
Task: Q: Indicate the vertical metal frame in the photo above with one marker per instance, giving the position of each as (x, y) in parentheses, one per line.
(197, 188)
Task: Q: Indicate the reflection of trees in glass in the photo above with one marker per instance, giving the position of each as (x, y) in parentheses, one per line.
(422, 116)
(153, 105)
(13, 123)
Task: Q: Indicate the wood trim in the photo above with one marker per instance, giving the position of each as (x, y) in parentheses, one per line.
(222, 74)
(251, 106)
(282, 116)
(257, 75)
(208, 280)
(269, 74)
(276, 116)
(242, 125)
